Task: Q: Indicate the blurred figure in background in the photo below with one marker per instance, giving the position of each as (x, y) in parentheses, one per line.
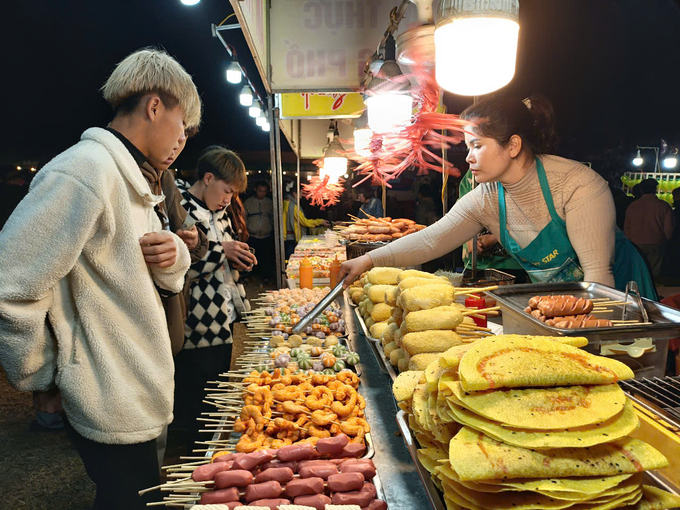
(259, 211)
(371, 205)
(649, 225)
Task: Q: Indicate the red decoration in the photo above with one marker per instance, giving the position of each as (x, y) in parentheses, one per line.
(321, 192)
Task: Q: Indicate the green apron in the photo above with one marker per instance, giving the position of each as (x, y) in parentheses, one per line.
(551, 258)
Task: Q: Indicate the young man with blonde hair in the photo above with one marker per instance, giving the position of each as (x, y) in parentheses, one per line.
(86, 260)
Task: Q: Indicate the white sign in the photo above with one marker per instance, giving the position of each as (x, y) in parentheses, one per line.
(323, 45)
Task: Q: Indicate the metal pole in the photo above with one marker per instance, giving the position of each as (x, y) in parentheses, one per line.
(474, 238)
(277, 195)
(279, 177)
(299, 156)
(384, 199)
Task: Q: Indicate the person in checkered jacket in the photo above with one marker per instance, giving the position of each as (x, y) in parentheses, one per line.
(216, 299)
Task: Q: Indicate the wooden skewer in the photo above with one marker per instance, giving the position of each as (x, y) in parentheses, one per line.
(625, 322)
(475, 291)
(602, 311)
(482, 310)
(638, 324)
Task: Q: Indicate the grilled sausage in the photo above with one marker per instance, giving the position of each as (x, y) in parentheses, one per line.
(254, 459)
(345, 482)
(366, 469)
(376, 504)
(352, 450)
(281, 475)
(538, 315)
(383, 229)
(279, 464)
(332, 445)
(565, 305)
(352, 498)
(587, 323)
(219, 496)
(266, 490)
(297, 453)
(318, 501)
(322, 472)
(304, 487)
(237, 478)
(207, 472)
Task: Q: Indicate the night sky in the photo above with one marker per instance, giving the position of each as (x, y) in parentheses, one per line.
(610, 67)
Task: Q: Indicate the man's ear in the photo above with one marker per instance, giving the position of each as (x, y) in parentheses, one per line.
(153, 105)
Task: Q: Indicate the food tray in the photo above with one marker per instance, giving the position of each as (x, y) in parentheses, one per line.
(433, 494)
(513, 299)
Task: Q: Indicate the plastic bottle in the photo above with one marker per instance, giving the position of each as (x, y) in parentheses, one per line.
(335, 272)
(474, 301)
(306, 274)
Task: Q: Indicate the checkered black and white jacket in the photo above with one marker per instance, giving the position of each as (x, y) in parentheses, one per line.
(214, 296)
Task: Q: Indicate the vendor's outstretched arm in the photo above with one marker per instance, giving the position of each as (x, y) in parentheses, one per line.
(458, 226)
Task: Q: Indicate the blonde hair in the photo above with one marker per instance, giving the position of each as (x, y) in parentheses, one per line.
(153, 71)
(224, 165)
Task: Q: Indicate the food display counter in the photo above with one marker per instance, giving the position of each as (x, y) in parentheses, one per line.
(320, 253)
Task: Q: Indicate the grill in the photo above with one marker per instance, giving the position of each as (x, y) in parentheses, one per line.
(662, 393)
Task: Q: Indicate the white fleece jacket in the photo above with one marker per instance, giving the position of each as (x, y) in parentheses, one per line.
(78, 304)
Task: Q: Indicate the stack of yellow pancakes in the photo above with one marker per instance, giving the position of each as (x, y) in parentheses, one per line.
(536, 423)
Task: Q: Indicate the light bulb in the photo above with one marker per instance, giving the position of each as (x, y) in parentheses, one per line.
(334, 167)
(309, 177)
(190, 2)
(254, 111)
(388, 112)
(670, 162)
(495, 50)
(246, 96)
(637, 160)
(266, 127)
(19, 168)
(260, 120)
(234, 73)
(362, 140)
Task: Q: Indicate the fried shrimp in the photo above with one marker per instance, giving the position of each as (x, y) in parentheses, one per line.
(340, 395)
(350, 378)
(289, 393)
(320, 379)
(294, 408)
(319, 398)
(321, 418)
(248, 444)
(319, 432)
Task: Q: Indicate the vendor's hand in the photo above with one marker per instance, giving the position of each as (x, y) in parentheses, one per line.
(486, 242)
(326, 223)
(190, 237)
(47, 401)
(353, 269)
(239, 255)
(159, 249)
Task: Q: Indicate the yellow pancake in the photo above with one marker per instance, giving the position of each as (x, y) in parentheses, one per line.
(474, 457)
(450, 359)
(657, 499)
(516, 361)
(544, 408)
(405, 384)
(616, 427)
(588, 486)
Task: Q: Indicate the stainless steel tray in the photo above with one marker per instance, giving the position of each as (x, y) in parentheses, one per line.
(513, 299)
(432, 492)
(377, 348)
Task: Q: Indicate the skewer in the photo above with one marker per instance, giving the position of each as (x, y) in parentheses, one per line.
(625, 322)
(481, 310)
(475, 291)
(637, 324)
(602, 311)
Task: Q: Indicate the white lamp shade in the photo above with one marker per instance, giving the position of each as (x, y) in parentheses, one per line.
(492, 41)
(246, 96)
(362, 140)
(234, 73)
(266, 127)
(254, 111)
(670, 162)
(261, 119)
(388, 112)
(190, 2)
(335, 167)
(638, 161)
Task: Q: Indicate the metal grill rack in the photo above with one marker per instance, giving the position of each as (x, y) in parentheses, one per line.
(661, 393)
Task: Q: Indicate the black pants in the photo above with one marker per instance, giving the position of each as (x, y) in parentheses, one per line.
(193, 368)
(119, 470)
(264, 252)
(290, 248)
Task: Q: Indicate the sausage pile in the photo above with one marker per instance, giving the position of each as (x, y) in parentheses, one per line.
(282, 409)
(379, 230)
(565, 312)
(308, 475)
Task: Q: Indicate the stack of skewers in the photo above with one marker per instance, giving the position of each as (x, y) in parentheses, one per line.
(377, 230)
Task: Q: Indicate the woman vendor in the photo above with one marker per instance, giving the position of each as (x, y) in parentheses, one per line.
(554, 215)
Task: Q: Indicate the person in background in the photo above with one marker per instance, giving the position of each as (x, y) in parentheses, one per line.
(371, 205)
(259, 211)
(621, 203)
(215, 300)
(649, 225)
(81, 320)
(636, 191)
(291, 213)
(425, 208)
(671, 267)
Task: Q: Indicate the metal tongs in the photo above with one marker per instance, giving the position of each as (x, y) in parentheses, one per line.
(632, 288)
(316, 311)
